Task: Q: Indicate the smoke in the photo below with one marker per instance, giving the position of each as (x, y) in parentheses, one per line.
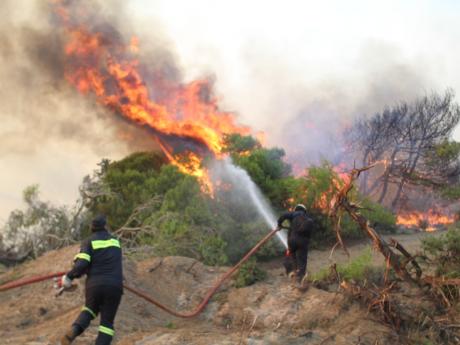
(304, 115)
(307, 112)
(275, 85)
(50, 134)
(38, 105)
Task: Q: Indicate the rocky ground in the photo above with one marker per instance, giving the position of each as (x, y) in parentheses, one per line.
(269, 312)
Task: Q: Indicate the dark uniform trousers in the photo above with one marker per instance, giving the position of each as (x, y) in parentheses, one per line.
(298, 254)
(104, 300)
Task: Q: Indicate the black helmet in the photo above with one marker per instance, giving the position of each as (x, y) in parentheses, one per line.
(99, 223)
(300, 207)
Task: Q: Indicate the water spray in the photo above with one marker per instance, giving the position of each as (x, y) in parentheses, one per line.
(240, 179)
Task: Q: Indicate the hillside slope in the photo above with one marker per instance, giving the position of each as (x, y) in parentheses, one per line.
(269, 312)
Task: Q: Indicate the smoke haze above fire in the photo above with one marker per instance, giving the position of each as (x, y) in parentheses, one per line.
(297, 70)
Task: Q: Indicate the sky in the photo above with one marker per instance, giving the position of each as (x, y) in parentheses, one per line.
(275, 63)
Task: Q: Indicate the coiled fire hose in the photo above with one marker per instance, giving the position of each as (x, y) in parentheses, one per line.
(141, 294)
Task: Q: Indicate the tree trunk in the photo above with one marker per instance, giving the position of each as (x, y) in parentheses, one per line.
(387, 175)
(394, 204)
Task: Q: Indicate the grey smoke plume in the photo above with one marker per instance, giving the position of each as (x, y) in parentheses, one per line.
(308, 119)
(49, 133)
(303, 115)
(38, 104)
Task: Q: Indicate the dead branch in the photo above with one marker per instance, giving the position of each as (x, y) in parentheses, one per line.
(342, 203)
(409, 257)
(377, 300)
(439, 281)
(135, 226)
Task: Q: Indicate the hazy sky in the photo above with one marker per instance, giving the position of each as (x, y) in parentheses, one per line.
(273, 61)
(274, 46)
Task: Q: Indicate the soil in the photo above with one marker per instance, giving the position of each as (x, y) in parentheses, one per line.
(268, 312)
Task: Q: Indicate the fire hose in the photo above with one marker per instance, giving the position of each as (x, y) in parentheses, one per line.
(145, 296)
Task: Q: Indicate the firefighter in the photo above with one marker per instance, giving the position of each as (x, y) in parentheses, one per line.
(301, 225)
(100, 258)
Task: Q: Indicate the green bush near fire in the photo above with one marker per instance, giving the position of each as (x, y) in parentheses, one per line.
(153, 204)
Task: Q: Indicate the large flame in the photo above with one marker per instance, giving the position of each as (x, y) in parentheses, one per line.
(103, 65)
(428, 220)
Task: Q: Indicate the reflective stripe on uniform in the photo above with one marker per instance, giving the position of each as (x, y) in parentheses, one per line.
(83, 256)
(93, 314)
(100, 244)
(106, 330)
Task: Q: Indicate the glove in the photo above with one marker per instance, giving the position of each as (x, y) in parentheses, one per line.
(65, 282)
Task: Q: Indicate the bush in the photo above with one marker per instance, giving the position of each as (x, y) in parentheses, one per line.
(249, 274)
(183, 221)
(40, 227)
(212, 251)
(379, 217)
(359, 269)
(444, 252)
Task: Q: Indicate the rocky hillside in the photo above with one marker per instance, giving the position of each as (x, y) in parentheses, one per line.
(268, 312)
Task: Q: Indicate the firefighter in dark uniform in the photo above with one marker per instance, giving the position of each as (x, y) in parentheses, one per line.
(301, 226)
(100, 258)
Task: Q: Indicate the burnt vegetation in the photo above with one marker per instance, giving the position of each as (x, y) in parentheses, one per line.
(411, 142)
(416, 295)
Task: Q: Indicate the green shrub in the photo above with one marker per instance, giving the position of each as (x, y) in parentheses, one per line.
(212, 250)
(359, 269)
(451, 192)
(379, 217)
(249, 274)
(444, 252)
(171, 325)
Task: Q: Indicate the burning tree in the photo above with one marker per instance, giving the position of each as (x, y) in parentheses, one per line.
(411, 141)
(184, 119)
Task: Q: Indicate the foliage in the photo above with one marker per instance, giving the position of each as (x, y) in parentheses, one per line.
(444, 252)
(451, 192)
(151, 203)
(265, 167)
(380, 218)
(249, 274)
(443, 154)
(213, 250)
(316, 191)
(239, 144)
(171, 325)
(359, 269)
(38, 228)
(128, 183)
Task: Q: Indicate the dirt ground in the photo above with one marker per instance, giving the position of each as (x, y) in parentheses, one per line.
(269, 312)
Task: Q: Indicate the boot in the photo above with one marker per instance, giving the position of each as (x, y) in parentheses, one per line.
(302, 283)
(69, 336)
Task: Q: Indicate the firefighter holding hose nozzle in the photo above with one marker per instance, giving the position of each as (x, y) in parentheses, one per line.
(100, 258)
(299, 232)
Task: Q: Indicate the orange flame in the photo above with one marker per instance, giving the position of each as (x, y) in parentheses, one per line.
(430, 218)
(99, 64)
(190, 164)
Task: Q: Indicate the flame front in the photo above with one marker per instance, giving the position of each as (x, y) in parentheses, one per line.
(430, 218)
(103, 65)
